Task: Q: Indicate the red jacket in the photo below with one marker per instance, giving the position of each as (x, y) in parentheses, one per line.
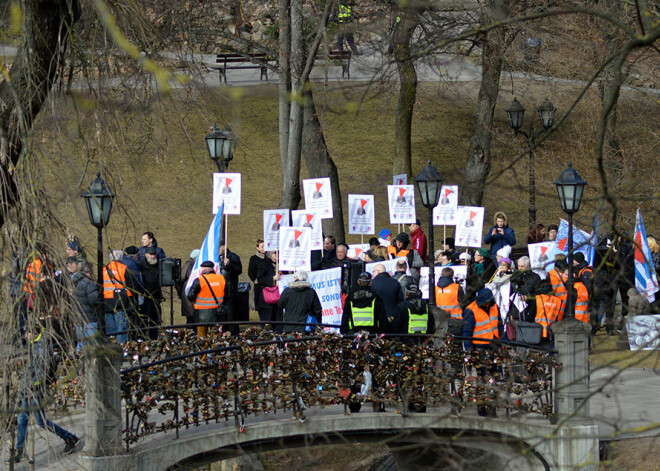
(418, 242)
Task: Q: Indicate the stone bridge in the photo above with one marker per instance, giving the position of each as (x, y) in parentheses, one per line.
(520, 440)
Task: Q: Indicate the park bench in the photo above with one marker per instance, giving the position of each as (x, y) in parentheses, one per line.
(333, 57)
(226, 61)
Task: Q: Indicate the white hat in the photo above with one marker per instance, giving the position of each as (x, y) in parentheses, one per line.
(300, 275)
(504, 251)
(465, 256)
(194, 253)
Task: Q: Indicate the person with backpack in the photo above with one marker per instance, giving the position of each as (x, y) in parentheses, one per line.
(39, 373)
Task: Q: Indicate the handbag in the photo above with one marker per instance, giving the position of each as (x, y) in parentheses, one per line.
(271, 294)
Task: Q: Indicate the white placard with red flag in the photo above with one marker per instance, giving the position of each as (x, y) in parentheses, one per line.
(356, 251)
(227, 190)
(274, 219)
(469, 226)
(305, 218)
(401, 200)
(295, 248)
(444, 214)
(539, 258)
(400, 179)
(318, 196)
(361, 214)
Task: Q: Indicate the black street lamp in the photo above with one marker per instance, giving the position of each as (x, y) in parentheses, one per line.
(221, 146)
(98, 199)
(516, 112)
(429, 183)
(570, 188)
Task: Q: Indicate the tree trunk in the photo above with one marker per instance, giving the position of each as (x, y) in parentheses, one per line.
(291, 168)
(478, 162)
(284, 85)
(407, 95)
(38, 62)
(320, 164)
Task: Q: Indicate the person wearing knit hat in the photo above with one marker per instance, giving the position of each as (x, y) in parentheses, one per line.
(385, 237)
(583, 272)
(504, 252)
(465, 258)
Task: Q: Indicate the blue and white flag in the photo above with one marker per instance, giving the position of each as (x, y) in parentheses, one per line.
(590, 255)
(646, 279)
(581, 243)
(209, 249)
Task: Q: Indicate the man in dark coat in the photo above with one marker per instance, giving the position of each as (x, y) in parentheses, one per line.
(150, 313)
(299, 300)
(366, 306)
(386, 288)
(187, 310)
(231, 268)
(87, 293)
(401, 276)
(524, 281)
(340, 257)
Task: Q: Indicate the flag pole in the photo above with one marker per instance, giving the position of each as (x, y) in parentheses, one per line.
(226, 233)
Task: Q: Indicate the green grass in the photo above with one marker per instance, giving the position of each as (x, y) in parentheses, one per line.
(605, 353)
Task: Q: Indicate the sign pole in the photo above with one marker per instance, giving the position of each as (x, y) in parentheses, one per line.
(226, 232)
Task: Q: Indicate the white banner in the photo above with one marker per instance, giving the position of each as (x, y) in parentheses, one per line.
(501, 293)
(401, 199)
(327, 284)
(227, 190)
(295, 248)
(305, 218)
(643, 332)
(273, 220)
(390, 266)
(361, 214)
(318, 196)
(539, 258)
(444, 214)
(469, 226)
(460, 277)
(355, 251)
(400, 179)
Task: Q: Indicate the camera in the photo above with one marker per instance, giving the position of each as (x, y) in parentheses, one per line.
(169, 271)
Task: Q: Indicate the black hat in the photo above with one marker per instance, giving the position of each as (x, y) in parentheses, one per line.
(579, 257)
(364, 276)
(131, 250)
(403, 238)
(71, 260)
(208, 264)
(151, 250)
(374, 241)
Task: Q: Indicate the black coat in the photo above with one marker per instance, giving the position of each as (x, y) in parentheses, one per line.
(231, 272)
(389, 290)
(187, 309)
(363, 297)
(87, 293)
(265, 274)
(299, 300)
(151, 281)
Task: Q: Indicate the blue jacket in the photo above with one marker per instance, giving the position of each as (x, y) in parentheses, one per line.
(498, 240)
(389, 290)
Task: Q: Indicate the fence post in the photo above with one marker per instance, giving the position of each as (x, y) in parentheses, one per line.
(572, 377)
(103, 400)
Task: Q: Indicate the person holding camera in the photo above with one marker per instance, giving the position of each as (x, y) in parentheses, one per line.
(500, 234)
(207, 294)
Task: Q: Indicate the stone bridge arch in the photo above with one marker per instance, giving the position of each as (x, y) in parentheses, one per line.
(485, 444)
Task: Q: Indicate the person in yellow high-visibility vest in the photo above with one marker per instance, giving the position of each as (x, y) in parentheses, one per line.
(363, 309)
(346, 27)
(412, 317)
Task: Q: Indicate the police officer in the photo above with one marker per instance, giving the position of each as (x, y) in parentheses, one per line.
(412, 316)
(363, 309)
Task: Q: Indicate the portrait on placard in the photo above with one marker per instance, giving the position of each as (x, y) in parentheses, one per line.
(227, 191)
(295, 248)
(445, 211)
(361, 214)
(469, 226)
(274, 219)
(318, 196)
(310, 219)
(401, 199)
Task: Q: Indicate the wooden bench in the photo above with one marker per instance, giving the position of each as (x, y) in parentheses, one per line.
(229, 60)
(333, 57)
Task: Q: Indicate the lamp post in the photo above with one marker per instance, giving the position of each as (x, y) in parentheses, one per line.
(570, 187)
(429, 183)
(516, 112)
(221, 144)
(98, 199)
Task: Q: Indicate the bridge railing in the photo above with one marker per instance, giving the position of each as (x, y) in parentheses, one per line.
(178, 381)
